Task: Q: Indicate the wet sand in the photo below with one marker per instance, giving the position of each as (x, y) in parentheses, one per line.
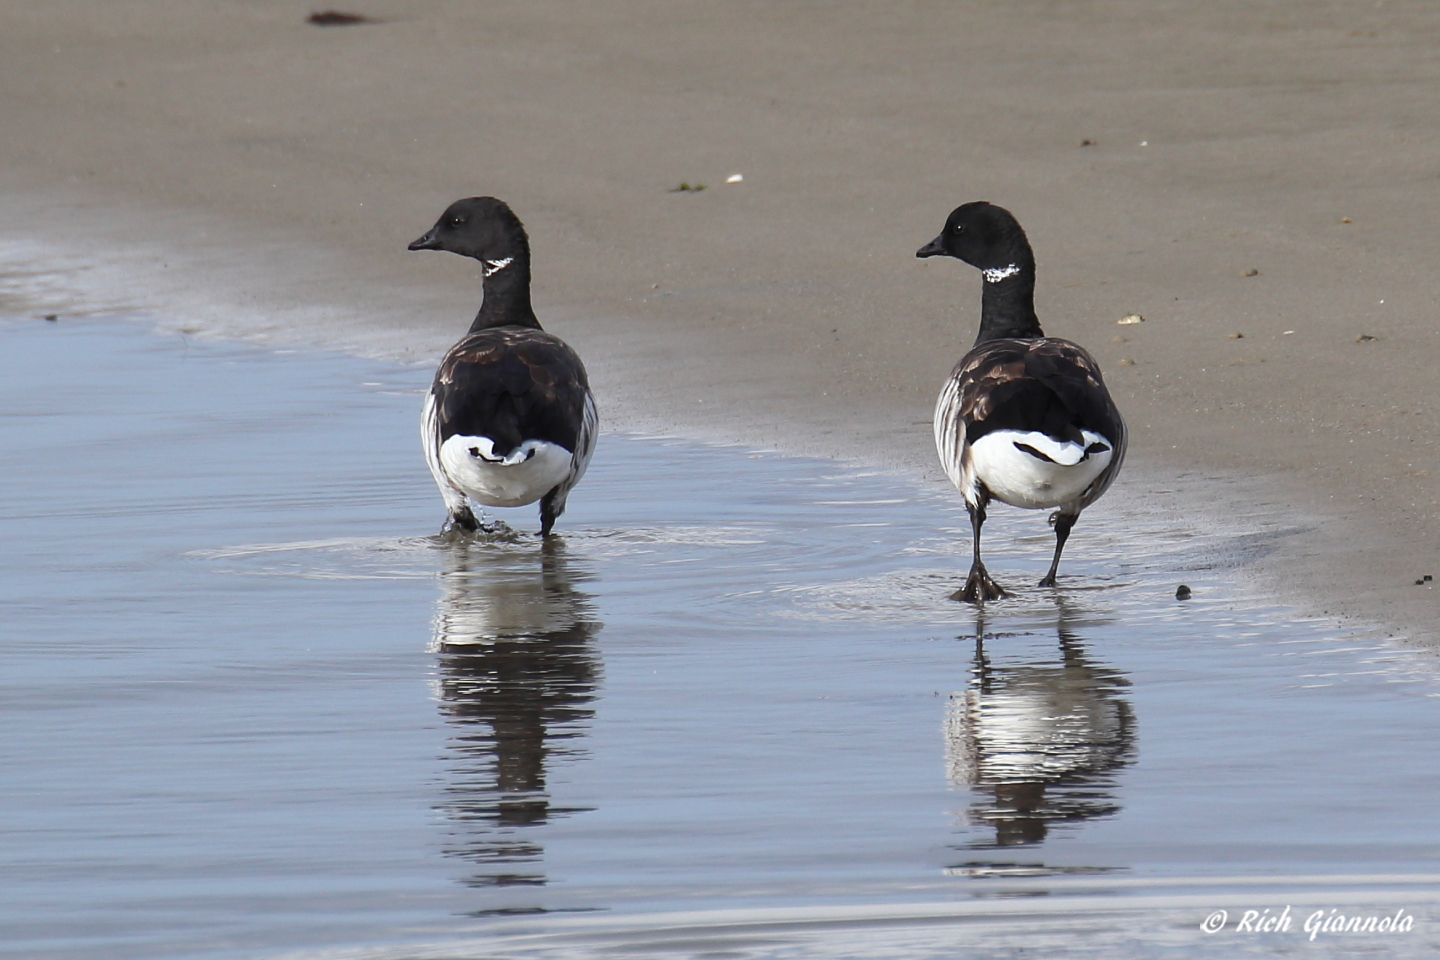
(231, 154)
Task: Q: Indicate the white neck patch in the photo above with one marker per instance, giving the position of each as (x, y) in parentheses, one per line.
(996, 274)
(493, 267)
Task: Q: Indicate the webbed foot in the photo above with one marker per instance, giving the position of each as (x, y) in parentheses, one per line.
(460, 522)
(979, 587)
(465, 525)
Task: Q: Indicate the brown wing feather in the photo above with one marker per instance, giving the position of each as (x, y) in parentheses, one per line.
(984, 369)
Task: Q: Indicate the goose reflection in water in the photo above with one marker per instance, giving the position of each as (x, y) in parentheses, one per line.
(1039, 742)
(516, 677)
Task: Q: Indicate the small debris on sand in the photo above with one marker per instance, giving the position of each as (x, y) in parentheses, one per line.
(52, 317)
(334, 18)
(1237, 335)
(1365, 338)
(1087, 142)
(1125, 362)
(1251, 272)
(687, 188)
(735, 178)
(1130, 318)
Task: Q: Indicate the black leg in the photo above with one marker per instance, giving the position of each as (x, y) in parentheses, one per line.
(978, 585)
(1063, 522)
(548, 513)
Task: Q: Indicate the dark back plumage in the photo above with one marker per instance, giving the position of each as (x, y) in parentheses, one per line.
(511, 384)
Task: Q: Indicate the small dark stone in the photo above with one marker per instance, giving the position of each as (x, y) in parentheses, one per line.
(1182, 592)
(1427, 578)
(334, 18)
(52, 317)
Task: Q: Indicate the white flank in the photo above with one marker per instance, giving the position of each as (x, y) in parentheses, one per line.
(1021, 479)
(584, 443)
(950, 433)
(453, 496)
(523, 476)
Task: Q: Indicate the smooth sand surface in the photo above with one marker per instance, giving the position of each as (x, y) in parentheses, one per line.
(1265, 169)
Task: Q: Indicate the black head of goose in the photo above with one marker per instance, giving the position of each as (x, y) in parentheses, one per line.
(509, 418)
(1024, 418)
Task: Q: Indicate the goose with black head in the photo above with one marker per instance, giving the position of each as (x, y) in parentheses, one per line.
(1024, 418)
(509, 418)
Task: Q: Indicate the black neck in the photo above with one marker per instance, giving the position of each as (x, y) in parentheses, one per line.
(506, 301)
(1007, 307)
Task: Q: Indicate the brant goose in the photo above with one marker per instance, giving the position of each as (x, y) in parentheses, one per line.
(510, 418)
(1024, 418)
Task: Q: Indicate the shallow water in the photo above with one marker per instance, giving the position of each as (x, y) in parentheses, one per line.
(252, 708)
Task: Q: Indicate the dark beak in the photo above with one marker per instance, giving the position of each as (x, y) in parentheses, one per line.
(931, 249)
(427, 242)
